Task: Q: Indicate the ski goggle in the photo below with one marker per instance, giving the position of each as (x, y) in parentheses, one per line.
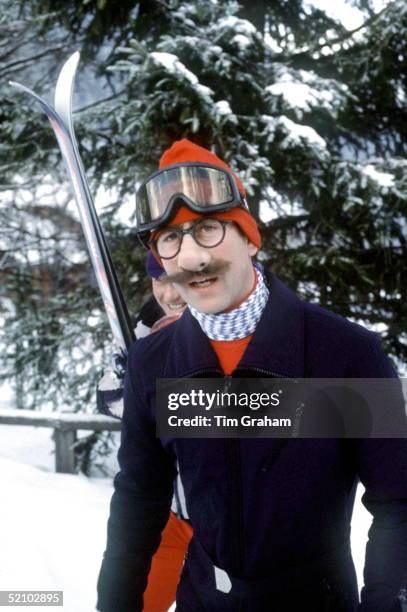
(202, 187)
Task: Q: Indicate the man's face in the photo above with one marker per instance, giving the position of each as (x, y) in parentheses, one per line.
(213, 290)
(167, 296)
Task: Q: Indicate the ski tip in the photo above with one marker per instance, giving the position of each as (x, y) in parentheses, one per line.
(64, 88)
(17, 85)
(73, 60)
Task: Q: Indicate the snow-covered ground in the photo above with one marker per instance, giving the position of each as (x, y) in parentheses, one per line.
(53, 526)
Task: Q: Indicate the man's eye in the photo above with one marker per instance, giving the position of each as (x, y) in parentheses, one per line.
(208, 227)
(169, 237)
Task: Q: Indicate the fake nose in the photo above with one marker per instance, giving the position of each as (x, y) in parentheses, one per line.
(192, 256)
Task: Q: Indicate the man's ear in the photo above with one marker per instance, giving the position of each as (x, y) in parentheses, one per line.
(251, 248)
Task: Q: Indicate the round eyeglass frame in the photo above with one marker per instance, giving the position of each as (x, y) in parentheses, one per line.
(191, 230)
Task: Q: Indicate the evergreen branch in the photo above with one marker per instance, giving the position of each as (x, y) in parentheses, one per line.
(16, 24)
(28, 61)
(101, 101)
(335, 41)
(15, 187)
(19, 45)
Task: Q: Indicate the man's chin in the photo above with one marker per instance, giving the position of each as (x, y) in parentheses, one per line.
(202, 301)
(208, 308)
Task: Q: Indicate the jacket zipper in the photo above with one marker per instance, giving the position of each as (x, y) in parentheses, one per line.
(236, 480)
(266, 372)
(235, 471)
(217, 373)
(234, 463)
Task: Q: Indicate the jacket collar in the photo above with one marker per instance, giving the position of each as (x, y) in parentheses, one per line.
(277, 345)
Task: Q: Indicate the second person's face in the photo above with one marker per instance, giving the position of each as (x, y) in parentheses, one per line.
(168, 297)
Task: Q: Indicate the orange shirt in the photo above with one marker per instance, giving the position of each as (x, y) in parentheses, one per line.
(230, 352)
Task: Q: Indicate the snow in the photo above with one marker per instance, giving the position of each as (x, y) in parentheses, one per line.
(295, 94)
(29, 445)
(125, 213)
(53, 526)
(173, 65)
(400, 96)
(272, 43)
(277, 205)
(6, 391)
(385, 179)
(52, 532)
(177, 68)
(241, 40)
(303, 91)
(266, 212)
(241, 26)
(341, 11)
(94, 319)
(297, 132)
(223, 112)
(223, 107)
(57, 417)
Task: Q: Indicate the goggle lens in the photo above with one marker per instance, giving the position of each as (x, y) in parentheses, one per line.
(203, 186)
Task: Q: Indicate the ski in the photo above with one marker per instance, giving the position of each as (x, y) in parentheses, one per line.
(61, 122)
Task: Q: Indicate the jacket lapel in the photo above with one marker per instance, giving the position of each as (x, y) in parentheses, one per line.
(277, 345)
(190, 350)
(278, 341)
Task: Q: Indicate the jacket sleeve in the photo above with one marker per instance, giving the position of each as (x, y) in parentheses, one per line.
(140, 504)
(382, 466)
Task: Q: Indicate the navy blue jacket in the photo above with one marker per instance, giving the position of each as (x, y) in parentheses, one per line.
(271, 517)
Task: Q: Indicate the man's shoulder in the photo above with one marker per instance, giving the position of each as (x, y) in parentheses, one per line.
(353, 349)
(328, 321)
(320, 321)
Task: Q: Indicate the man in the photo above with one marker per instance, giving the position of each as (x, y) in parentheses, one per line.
(271, 518)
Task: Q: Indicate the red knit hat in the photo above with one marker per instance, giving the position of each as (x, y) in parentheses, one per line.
(186, 151)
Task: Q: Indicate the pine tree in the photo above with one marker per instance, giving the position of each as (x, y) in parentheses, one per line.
(55, 338)
(310, 115)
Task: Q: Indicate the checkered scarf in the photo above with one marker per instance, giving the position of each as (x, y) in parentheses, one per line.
(237, 323)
